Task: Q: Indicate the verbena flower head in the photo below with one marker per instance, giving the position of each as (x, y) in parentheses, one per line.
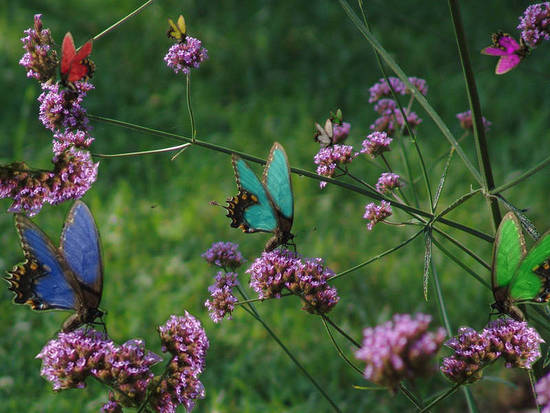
(280, 270)
(543, 393)
(535, 24)
(381, 89)
(224, 255)
(40, 59)
(377, 213)
(388, 182)
(112, 406)
(61, 108)
(186, 340)
(223, 301)
(465, 119)
(340, 132)
(392, 121)
(399, 349)
(63, 140)
(330, 157)
(513, 340)
(376, 143)
(181, 57)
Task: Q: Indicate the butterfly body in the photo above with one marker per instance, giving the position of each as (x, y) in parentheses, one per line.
(66, 278)
(510, 51)
(178, 30)
(266, 205)
(75, 65)
(518, 276)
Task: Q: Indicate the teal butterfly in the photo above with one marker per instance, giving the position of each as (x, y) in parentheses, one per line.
(266, 205)
(66, 278)
(518, 276)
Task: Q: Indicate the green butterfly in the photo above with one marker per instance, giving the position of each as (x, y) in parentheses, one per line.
(518, 276)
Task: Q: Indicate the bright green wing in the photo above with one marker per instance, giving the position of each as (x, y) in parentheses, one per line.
(532, 277)
(508, 250)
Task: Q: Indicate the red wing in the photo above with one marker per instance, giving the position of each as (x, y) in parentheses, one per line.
(67, 53)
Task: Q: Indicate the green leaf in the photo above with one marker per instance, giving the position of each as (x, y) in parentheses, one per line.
(427, 260)
(508, 250)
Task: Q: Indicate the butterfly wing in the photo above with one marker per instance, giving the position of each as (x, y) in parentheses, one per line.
(82, 251)
(44, 281)
(68, 53)
(276, 179)
(494, 51)
(177, 31)
(508, 250)
(75, 65)
(531, 281)
(259, 214)
(507, 63)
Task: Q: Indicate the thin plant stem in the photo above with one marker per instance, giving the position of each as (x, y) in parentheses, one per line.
(339, 350)
(480, 140)
(342, 332)
(255, 300)
(458, 202)
(123, 20)
(355, 268)
(389, 60)
(409, 171)
(541, 165)
(532, 381)
(287, 351)
(440, 398)
(463, 248)
(409, 395)
(153, 151)
(298, 171)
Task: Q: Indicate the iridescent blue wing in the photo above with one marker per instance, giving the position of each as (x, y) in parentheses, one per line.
(82, 251)
(44, 281)
(257, 211)
(276, 179)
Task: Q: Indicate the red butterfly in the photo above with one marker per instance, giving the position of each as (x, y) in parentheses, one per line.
(510, 51)
(75, 65)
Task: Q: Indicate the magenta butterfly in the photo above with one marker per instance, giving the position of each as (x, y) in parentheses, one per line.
(510, 51)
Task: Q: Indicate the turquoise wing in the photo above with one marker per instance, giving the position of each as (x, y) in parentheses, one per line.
(259, 216)
(276, 179)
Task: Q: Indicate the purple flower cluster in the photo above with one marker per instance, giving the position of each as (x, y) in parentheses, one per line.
(280, 270)
(181, 57)
(40, 60)
(388, 182)
(543, 393)
(465, 119)
(72, 357)
(61, 112)
(186, 340)
(340, 132)
(399, 349)
(376, 144)
(382, 88)
(535, 24)
(225, 255)
(377, 213)
(512, 340)
(223, 301)
(328, 158)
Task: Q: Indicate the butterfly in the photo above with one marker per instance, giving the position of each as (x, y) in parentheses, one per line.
(177, 31)
(510, 51)
(267, 205)
(519, 276)
(66, 278)
(325, 134)
(75, 65)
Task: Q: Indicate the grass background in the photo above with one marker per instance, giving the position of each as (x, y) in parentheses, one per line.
(274, 69)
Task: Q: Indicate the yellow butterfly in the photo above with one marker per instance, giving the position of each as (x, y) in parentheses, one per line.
(177, 32)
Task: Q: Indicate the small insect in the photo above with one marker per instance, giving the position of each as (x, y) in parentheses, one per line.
(267, 205)
(177, 31)
(75, 65)
(518, 276)
(66, 278)
(510, 51)
(325, 134)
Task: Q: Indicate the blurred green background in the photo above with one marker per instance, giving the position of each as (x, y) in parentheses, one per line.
(274, 69)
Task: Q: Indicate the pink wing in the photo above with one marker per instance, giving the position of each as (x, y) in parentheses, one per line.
(494, 51)
(509, 44)
(507, 63)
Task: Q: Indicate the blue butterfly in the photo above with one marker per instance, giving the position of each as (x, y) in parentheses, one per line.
(66, 278)
(266, 206)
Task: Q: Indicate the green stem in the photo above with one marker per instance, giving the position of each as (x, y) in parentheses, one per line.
(409, 171)
(482, 150)
(460, 264)
(298, 171)
(124, 19)
(120, 155)
(409, 395)
(532, 381)
(342, 332)
(541, 165)
(287, 351)
(339, 350)
(334, 277)
(440, 398)
(254, 300)
(418, 96)
(443, 178)
(458, 202)
(190, 109)
(463, 248)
